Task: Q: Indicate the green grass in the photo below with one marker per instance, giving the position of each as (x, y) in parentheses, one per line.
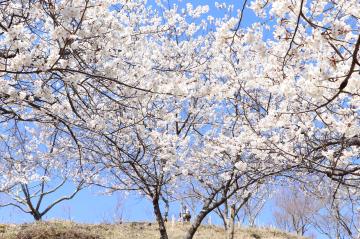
(132, 230)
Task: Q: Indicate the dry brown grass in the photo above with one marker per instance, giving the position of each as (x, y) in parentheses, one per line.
(134, 230)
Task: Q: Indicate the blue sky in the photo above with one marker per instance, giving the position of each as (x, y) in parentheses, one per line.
(92, 205)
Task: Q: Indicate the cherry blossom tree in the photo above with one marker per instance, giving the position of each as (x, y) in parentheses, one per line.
(255, 205)
(297, 83)
(229, 211)
(322, 94)
(169, 101)
(36, 163)
(217, 168)
(244, 206)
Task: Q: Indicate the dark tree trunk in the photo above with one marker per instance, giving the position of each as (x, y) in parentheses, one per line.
(37, 216)
(159, 219)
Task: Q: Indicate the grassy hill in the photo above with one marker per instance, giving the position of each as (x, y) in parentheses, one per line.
(134, 230)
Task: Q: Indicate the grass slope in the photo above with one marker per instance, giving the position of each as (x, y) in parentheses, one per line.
(134, 230)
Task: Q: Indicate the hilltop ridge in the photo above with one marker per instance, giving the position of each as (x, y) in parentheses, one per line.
(129, 230)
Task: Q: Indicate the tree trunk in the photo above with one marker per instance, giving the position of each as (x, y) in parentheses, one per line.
(166, 212)
(226, 215)
(231, 225)
(159, 219)
(195, 225)
(37, 216)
